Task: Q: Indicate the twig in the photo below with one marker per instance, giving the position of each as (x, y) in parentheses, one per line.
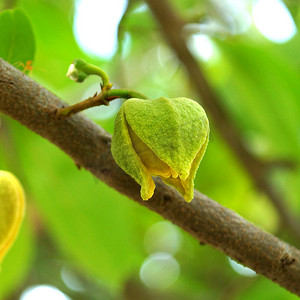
(89, 146)
(103, 98)
(171, 26)
(79, 71)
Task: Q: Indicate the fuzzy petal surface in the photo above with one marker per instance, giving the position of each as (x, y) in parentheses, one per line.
(174, 129)
(127, 158)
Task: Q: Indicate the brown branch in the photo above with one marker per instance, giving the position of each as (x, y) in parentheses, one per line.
(96, 100)
(103, 98)
(9, 4)
(89, 146)
(171, 26)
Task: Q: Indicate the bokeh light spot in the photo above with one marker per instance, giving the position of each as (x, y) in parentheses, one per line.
(71, 280)
(96, 25)
(45, 292)
(201, 46)
(162, 237)
(159, 270)
(273, 20)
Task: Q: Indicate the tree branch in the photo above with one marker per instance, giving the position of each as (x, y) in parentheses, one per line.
(8, 4)
(171, 26)
(89, 146)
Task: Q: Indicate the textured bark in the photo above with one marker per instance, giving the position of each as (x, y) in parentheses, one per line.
(89, 146)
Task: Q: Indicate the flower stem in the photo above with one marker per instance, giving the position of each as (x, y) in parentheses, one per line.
(79, 70)
(90, 69)
(103, 98)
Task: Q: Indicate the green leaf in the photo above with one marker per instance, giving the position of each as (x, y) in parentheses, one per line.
(56, 44)
(263, 95)
(17, 44)
(266, 290)
(17, 262)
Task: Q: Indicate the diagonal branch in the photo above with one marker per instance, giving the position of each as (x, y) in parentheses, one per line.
(171, 26)
(89, 146)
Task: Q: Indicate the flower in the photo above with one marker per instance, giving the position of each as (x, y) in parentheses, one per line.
(12, 204)
(163, 137)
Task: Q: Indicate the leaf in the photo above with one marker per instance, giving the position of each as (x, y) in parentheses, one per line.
(56, 42)
(266, 290)
(263, 92)
(17, 43)
(18, 262)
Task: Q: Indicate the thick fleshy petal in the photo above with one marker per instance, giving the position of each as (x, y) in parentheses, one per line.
(127, 158)
(149, 159)
(186, 187)
(12, 205)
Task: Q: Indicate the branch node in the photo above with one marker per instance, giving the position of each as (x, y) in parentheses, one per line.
(287, 260)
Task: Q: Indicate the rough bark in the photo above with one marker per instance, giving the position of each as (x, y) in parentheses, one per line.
(89, 146)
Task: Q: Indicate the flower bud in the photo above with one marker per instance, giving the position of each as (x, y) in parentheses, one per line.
(12, 204)
(75, 74)
(162, 137)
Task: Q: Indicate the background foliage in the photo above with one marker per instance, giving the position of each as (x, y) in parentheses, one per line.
(90, 242)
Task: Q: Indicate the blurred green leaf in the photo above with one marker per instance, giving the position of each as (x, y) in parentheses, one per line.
(266, 290)
(52, 22)
(17, 44)
(17, 262)
(262, 90)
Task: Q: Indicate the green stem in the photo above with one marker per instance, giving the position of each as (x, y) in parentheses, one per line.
(94, 70)
(103, 98)
(85, 69)
(125, 94)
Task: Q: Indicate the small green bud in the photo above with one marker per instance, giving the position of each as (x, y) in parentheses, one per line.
(80, 63)
(75, 74)
(80, 70)
(162, 137)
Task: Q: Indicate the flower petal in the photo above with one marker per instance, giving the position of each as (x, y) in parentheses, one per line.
(127, 158)
(12, 205)
(186, 187)
(149, 159)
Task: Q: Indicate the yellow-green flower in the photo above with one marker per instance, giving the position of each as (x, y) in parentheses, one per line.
(162, 137)
(12, 205)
